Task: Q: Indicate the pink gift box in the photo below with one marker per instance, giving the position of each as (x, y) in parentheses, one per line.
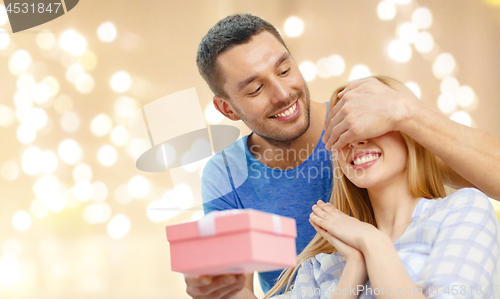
(233, 241)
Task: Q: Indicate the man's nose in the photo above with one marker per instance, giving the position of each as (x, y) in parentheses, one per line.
(281, 92)
(358, 143)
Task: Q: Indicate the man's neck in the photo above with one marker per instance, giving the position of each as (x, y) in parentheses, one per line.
(291, 154)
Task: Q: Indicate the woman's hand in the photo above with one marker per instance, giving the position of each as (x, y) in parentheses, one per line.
(347, 229)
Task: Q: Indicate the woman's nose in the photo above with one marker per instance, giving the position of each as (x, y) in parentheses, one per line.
(357, 143)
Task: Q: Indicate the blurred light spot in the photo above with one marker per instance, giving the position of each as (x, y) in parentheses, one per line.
(6, 116)
(25, 81)
(31, 160)
(56, 202)
(91, 283)
(84, 83)
(9, 270)
(161, 210)
(46, 186)
(107, 32)
(45, 40)
(122, 195)
(294, 27)
(138, 186)
(53, 85)
(101, 124)
(443, 65)
(321, 68)
(4, 38)
(446, 103)
(449, 85)
(88, 61)
(36, 118)
(26, 134)
(424, 42)
(465, 96)
(359, 71)
(74, 71)
(49, 161)
(71, 200)
(107, 155)
(407, 32)
(118, 226)
(3, 15)
(119, 136)
(63, 103)
(70, 151)
(125, 106)
(23, 99)
(422, 18)
(41, 93)
(120, 81)
(100, 191)
(335, 65)
(21, 221)
(130, 41)
(212, 115)
(73, 42)
(96, 213)
(70, 122)
(39, 209)
(494, 3)
(399, 51)
(462, 117)
(12, 246)
(401, 2)
(180, 198)
(83, 190)
(414, 88)
(308, 70)
(10, 170)
(386, 10)
(19, 62)
(82, 172)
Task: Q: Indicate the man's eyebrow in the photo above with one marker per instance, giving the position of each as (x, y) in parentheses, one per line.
(282, 58)
(249, 80)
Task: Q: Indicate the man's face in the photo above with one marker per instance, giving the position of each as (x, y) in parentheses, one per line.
(266, 89)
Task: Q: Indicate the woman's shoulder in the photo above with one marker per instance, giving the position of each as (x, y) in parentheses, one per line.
(467, 197)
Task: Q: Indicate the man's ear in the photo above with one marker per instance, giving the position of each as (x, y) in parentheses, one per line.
(225, 108)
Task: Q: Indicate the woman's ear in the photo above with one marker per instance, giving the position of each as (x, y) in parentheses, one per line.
(225, 108)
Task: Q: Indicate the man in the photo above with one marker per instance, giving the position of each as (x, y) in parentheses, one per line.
(254, 78)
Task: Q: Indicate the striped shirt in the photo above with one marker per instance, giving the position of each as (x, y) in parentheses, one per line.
(450, 250)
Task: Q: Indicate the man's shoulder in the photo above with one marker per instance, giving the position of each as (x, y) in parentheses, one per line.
(232, 155)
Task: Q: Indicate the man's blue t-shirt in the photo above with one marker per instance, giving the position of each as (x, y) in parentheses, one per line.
(235, 179)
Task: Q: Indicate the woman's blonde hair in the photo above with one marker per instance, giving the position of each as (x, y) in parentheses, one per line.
(424, 180)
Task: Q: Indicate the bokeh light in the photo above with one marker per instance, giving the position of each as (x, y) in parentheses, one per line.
(138, 186)
(119, 136)
(97, 213)
(19, 62)
(212, 115)
(308, 70)
(84, 83)
(30, 162)
(88, 61)
(6, 116)
(414, 88)
(25, 81)
(26, 134)
(63, 103)
(36, 118)
(100, 191)
(107, 155)
(83, 190)
(9, 270)
(4, 39)
(386, 10)
(120, 81)
(449, 85)
(118, 227)
(101, 124)
(294, 27)
(407, 32)
(462, 117)
(45, 40)
(443, 65)
(12, 246)
(122, 194)
(107, 32)
(447, 103)
(422, 18)
(70, 151)
(125, 106)
(3, 15)
(9, 170)
(333, 65)
(74, 71)
(38, 208)
(21, 221)
(359, 71)
(465, 96)
(399, 51)
(401, 2)
(73, 42)
(424, 42)
(82, 172)
(70, 122)
(53, 85)
(48, 161)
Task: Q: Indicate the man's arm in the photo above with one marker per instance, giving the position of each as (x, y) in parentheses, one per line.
(369, 108)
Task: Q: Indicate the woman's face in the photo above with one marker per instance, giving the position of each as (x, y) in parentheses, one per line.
(376, 162)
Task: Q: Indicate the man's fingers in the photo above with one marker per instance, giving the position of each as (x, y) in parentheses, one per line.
(196, 281)
(333, 111)
(344, 139)
(353, 85)
(335, 133)
(216, 287)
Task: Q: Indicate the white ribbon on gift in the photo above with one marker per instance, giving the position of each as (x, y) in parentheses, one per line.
(206, 225)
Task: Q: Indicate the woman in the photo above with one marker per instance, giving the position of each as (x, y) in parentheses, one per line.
(390, 231)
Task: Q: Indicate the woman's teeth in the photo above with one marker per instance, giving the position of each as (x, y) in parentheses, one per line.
(286, 113)
(365, 159)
